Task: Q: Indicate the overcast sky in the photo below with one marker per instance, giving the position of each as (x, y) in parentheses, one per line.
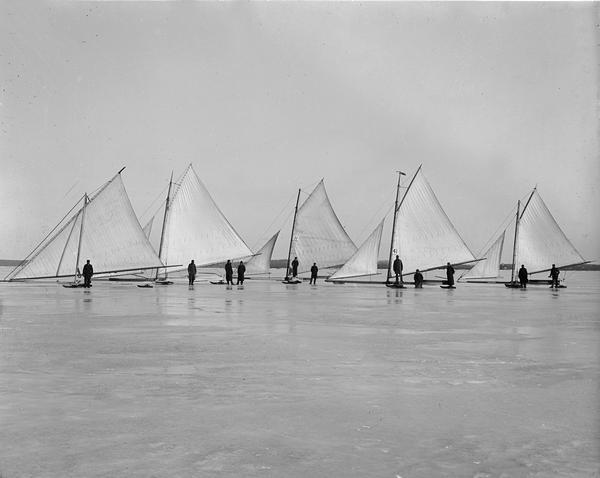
(264, 98)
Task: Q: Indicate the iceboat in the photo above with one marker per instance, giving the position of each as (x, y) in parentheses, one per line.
(317, 235)
(103, 228)
(422, 234)
(539, 242)
(195, 228)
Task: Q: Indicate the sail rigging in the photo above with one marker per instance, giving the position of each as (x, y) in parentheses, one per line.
(364, 260)
(424, 237)
(148, 227)
(260, 263)
(318, 234)
(540, 241)
(103, 229)
(195, 228)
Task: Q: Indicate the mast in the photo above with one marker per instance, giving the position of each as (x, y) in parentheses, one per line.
(287, 267)
(514, 255)
(400, 173)
(85, 201)
(396, 207)
(164, 224)
(518, 220)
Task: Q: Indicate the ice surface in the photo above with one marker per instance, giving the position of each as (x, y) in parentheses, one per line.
(299, 381)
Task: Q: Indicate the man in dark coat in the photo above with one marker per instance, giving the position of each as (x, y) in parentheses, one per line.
(554, 273)
(450, 274)
(313, 273)
(418, 278)
(295, 267)
(241, 272)
(523, 277)
(191, 272)
(398, 266)
(88, 272)
(229, 272)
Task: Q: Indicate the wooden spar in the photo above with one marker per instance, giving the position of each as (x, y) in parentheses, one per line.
(287, 268)
(164, 224)
(400, 174)
(565, 267)
(85, 201)
(514, 254)
(527, 203)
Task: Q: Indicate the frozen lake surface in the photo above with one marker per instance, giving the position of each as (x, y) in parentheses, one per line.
(299, 381)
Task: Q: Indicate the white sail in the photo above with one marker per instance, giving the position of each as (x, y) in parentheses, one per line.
(109, 233)
(540, 241)
(318, 234)
(148, 227)
(197, 229)
(489, 267)
(260, 263)
(424, 237)
(364, 260)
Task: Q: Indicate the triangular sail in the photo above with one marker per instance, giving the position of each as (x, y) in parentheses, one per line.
(318, 234)
(111, 237)
(197, 229)
(260, 263)
(540, 241)
(489, 267)
(364, 260)
(424, 237)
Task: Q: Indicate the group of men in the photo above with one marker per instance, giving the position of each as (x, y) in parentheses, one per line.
(241, 271)
(294, 270)
(524, 277)
(397, 267)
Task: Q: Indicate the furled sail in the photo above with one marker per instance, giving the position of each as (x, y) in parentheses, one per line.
(540, 241)
(318, 234)
(424, 237)
(196, 228)
(260, 263)
(489, 267)
(364, 260)
(104, 229)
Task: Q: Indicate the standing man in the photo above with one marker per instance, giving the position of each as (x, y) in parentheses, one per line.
(418, 278)
(88, 272)
(229, 272)
(313, 274)
(450, 274)
(398, 266)
(191, 272)
(241, 272)
(523, 277)
(554, 272)
(295, 267)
